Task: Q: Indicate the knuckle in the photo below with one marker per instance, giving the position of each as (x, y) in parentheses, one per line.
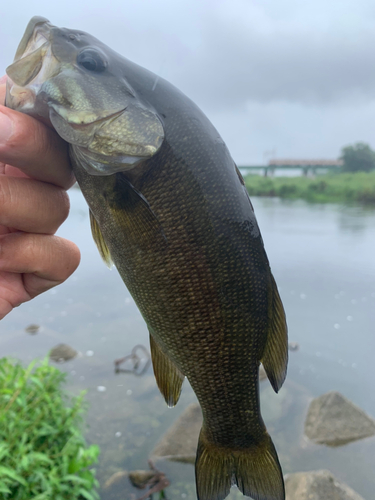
(30, 247)
(2, 238)
(5, 193)
(71, 256)
(60, 205)
(64, 205)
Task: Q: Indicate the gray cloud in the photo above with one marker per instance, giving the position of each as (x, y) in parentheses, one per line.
(239, 62)
(297, 76)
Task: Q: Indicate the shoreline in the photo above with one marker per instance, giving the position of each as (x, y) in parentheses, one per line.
(356, 187)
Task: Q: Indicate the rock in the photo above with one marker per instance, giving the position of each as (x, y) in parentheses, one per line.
(262, 373)
(140, 478)
(317, 485)
(62, 352)
(32, 329)
(116, 479)
(180, 442)
(293, 346)
(334, 420)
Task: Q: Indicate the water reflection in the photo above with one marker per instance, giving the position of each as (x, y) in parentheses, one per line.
(323, 260)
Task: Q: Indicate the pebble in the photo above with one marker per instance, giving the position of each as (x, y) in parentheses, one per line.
(32, 329)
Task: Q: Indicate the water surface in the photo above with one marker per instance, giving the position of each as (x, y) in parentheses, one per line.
(322, 257)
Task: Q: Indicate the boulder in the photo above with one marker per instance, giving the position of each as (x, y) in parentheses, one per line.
(262, 373)
(317, 485)
(334, 420)
(140, 478)
(180, 441)
(118, 478)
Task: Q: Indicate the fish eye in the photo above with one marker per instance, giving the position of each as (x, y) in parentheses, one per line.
(91, 60)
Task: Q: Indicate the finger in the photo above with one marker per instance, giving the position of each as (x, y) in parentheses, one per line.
(46, 260)
(34, 148)
(11, 171)
(32, 206)
(3, 81)
(12, 292)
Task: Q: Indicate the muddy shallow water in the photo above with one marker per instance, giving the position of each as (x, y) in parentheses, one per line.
(323, 260)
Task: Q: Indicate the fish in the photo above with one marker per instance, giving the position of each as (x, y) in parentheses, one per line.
(169, 207)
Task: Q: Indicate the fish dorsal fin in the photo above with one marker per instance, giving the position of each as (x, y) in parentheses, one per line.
(275, 355)
(99, 240)
(168, 376)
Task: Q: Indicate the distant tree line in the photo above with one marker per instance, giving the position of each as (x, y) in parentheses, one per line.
(358, 158)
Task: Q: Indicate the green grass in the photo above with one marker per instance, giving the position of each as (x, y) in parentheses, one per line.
(343, 187)
(43, 455)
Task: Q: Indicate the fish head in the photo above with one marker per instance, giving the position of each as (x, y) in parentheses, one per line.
(73, 82)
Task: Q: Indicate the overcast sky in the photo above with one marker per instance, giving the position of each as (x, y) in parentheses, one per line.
(296, 77)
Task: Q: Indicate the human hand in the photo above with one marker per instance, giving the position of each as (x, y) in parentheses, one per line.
(34, 176)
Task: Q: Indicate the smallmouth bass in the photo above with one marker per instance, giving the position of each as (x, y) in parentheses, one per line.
(169, 207)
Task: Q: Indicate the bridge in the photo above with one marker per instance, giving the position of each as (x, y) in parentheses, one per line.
(305, 166)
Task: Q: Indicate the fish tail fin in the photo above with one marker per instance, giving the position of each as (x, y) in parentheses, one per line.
(255, 470)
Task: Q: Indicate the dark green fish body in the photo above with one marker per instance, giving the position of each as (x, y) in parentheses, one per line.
(175, 218)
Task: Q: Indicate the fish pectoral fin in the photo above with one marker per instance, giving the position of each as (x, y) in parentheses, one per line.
(255, 470)
(99, 240)
(168, 376)
(135, 215)
(275, 355)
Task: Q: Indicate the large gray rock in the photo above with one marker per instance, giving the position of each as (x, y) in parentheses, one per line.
(180, 441)
(317, 485)
(334, 420)
(262, 373)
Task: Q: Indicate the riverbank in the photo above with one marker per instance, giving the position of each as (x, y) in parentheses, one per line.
(344, 187)
(42, 449)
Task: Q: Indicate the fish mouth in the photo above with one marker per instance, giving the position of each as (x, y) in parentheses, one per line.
(37, 33)
(33, 65)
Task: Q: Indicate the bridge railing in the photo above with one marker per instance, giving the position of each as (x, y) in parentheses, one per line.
(305, 169)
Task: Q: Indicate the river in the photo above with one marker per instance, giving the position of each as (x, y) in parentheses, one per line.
(322, 257)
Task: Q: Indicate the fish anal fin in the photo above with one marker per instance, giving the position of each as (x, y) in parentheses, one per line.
(275, 355)
(255, 470)
(99, 240)
(168, 377)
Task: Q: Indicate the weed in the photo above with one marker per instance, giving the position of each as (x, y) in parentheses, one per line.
(43, 454)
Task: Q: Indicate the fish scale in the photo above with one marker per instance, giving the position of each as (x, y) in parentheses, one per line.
(169, 207)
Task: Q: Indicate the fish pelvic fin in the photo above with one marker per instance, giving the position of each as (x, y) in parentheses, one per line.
(255, 470)
(99, 240)
(168, 377)
(275, 355)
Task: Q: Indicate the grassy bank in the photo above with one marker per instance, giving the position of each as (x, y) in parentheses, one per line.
(353, 187)
(43, 454)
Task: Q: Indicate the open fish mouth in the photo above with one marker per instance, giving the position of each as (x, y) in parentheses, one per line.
(34, 64)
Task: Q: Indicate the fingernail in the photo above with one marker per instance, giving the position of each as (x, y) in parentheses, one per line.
(6, 128)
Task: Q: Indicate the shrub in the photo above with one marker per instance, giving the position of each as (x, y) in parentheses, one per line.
(358, 158)
(43, 455)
